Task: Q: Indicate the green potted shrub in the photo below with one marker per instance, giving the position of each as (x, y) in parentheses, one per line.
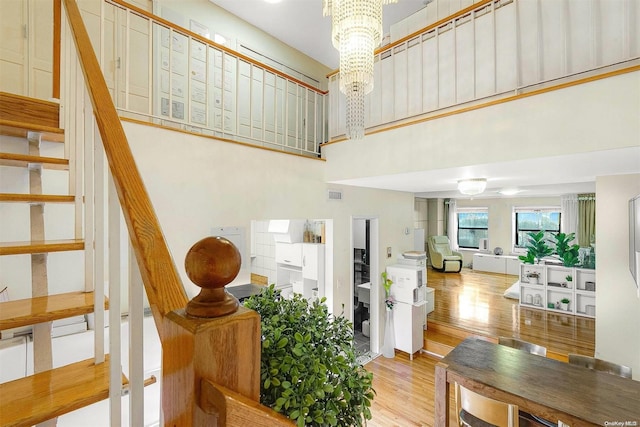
(537, 248)
(308, 368)
(564, 304)
(568, 253)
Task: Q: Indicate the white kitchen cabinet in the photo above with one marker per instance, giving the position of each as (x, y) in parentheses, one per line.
(312, 261)
(289, 254)
(313, 269)
(301, 266)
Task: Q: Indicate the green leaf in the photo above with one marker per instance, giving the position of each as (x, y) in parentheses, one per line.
(298, 336)
(283, 342)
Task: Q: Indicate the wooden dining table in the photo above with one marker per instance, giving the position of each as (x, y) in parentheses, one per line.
(547, 388)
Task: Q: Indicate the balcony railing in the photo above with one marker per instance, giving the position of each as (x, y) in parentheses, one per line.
(492, 48)
(168, 75)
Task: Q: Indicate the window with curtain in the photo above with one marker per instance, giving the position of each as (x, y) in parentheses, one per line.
(534, 219)
(473, 225)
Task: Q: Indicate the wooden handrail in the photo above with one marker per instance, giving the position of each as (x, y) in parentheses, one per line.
(234, 409)
(165, 290)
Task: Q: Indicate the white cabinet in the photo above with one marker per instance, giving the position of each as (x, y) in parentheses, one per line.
(408, 321)
(301, 266)
(555, 284)
(312, 261)
(431, 302)
(313, 270)
(504, 264)
(289, 254)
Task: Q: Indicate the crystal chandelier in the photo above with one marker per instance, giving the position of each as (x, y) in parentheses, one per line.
(356, 32)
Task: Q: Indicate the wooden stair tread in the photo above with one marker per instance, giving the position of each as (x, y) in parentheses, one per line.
(21, 129)
(36, 198)
(23, 161)
(37, 398)
(14, 314)
(40, 246)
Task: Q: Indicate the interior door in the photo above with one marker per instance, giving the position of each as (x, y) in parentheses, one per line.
(26, 51)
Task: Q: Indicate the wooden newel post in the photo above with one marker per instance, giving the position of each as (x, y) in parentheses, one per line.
(212, 263)
(213, 339)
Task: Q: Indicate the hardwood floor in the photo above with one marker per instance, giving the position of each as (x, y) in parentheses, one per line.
(467, 302)
(474, 301)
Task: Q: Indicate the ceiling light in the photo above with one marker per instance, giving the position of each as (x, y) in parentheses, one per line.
(471, 187)
(356, 30)
(509, 191)
(273, 1)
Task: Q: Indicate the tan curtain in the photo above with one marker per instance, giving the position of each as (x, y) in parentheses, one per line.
(586, 219)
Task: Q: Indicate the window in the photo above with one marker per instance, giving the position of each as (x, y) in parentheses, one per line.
(473, 225)
(534, 220)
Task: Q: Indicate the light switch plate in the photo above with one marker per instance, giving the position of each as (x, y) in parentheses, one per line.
(388, 251)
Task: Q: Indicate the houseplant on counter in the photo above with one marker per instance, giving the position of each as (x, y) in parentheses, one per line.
(310, 373)
(564, 304)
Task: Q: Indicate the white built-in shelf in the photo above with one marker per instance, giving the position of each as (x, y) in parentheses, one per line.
(553, 285)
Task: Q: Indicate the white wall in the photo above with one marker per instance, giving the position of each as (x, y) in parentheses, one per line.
(617, 297)
(573, 120)
(197, 183)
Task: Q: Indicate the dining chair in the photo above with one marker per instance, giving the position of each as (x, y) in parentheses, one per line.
(600, 365)
(523, 345)
(474, 410)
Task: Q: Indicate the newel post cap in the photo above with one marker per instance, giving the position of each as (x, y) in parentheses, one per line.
(212, 263)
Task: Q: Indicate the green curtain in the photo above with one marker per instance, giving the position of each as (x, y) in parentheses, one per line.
(586, 219)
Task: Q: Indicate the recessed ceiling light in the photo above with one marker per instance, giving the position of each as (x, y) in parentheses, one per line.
(509, 191)
(273, 1)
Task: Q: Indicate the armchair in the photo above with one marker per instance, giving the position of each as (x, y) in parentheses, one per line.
(441, 255)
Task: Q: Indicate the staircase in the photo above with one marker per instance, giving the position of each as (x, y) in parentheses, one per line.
(26, 126)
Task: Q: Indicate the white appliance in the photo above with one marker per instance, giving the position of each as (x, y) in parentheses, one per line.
(409, 291)
(409, 283)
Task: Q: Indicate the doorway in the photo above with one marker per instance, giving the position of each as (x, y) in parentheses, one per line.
(365, 283)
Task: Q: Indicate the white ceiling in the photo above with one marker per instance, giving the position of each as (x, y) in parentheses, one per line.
(546, 176)
(300, 24)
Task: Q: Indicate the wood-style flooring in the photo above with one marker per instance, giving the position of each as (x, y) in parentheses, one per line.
(471, 302)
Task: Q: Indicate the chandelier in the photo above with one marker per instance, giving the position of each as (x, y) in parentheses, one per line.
(356, 32)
